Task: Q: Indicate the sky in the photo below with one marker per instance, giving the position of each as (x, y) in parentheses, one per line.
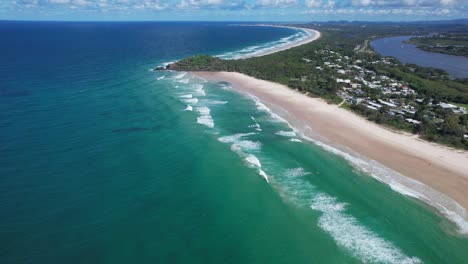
(236, 10)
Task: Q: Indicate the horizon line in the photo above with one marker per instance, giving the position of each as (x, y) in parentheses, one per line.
(241, 21)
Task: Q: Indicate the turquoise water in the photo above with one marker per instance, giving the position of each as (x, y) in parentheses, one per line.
(103, 162)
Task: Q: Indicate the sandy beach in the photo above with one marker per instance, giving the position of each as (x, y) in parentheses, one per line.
(312, 35)
(442, 171)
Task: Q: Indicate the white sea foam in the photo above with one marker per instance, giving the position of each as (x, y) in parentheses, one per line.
(160, 78)
(234, 138)
(263, 174)
(255, 126)
(262, 107)
(189, 108)
(295, 140)
(357, 239)
(184, 81)
(286, 133)
(246, 145)
(242, 147)
(180, 75)
(216, 102)
(199, 89)
(225, 87)
(164, 64)
(190, 101)
(205, 117)
(253, 161)
(296, 172)
(188, 96)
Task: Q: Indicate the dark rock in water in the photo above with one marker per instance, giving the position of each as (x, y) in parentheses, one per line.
(172, 66)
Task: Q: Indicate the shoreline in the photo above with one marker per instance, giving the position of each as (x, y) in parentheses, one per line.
(312, 36)
(432, 173)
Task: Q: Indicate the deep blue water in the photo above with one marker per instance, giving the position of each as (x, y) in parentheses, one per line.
(456, 66)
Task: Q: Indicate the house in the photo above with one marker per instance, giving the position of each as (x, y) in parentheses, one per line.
(448, 106)
(376, 105)
(387, 103)
(338, 80)
(412, 121)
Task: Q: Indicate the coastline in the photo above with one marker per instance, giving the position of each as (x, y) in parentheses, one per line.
(435, 174)
(312, 36)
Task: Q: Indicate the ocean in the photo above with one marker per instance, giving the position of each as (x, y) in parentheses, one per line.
(104, 161)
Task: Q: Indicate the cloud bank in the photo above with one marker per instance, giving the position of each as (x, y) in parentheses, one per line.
(293, 9)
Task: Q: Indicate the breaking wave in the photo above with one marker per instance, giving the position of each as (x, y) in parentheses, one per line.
(245, 149)
(204, 117)
(357, 239)
(286, 133)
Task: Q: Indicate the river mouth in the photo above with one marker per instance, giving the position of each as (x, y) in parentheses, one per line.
(456, 66)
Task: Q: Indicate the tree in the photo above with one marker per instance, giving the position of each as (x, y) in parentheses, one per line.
(464, 120)
(452, 127)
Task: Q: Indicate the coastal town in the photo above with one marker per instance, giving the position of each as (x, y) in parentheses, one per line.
(362, 89)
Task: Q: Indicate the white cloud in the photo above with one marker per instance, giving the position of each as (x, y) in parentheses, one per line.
(448, 2)
(313, 3)
(405, 3)
(199, 3)
(281, 3)
(59, 1)
(361, 2)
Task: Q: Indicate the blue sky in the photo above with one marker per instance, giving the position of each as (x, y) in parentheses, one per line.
(237, 10)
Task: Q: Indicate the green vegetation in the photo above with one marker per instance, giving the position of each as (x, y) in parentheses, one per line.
(341, 65)
(453, 44)
(462, 105)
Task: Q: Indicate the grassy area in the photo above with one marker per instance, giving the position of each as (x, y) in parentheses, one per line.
(462, 105)
(345, 106)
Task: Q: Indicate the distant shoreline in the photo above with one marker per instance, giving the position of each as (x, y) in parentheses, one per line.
(437, 175)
